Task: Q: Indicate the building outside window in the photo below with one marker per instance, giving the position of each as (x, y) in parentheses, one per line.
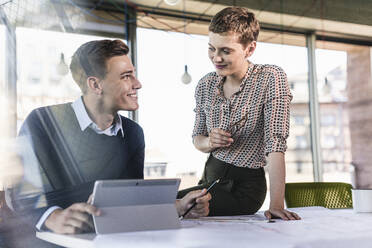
(328, 120)
(299, 120)
(301, 142)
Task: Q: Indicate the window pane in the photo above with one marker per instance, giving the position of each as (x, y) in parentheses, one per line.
(334, 123)
(5, 110)
(3, 100)
(166, 104)
(2, 59)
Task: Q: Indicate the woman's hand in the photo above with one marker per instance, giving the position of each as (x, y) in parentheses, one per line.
(275, 213)
(219, 138)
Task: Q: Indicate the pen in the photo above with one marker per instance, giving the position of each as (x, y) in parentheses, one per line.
(194, 204)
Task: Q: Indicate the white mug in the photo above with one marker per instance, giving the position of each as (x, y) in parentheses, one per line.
(362, 200)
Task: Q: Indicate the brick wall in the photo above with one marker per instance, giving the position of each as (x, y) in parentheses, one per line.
(359, 90)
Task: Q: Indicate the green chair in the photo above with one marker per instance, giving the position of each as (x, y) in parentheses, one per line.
(329, 195)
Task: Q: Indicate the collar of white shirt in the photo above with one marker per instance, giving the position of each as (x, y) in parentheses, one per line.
(85, 121)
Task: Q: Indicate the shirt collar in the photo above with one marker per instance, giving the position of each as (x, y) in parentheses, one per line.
(85, 121)
(221, 80)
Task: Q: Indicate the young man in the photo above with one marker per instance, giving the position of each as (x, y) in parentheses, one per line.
(74, 144)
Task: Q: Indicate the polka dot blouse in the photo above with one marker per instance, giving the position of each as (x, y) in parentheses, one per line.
(257, 115)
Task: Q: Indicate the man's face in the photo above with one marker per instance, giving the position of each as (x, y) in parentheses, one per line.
(120, 85)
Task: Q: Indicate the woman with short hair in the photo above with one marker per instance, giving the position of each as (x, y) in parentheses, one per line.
(242, 120)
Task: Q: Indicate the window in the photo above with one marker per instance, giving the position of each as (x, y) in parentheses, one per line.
(4, 110)
(329, 141)
(299, 120)
(2, 59)
(166, 104)
(35, 72)
(334, 123)
(301, 142)
(155, 170)
(328, 120)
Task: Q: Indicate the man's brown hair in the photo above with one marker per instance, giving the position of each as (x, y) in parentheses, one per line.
(237, 20)
(91, 57)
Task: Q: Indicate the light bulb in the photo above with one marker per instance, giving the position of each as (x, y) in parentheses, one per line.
(186, 78)
(62, 68)
(171, 2)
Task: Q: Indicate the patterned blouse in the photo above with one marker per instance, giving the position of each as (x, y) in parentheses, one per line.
(257, 115)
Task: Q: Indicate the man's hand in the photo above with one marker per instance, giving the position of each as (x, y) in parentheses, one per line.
(276, 213)
(72, 220)
(219, 138)
(202, 204)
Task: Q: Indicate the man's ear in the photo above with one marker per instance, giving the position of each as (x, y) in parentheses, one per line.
(94, 85)
(251, 47)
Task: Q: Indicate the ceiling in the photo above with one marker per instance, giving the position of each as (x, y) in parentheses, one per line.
(334, 22)
(282, 21)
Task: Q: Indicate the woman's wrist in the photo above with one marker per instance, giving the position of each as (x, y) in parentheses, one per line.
(209, 144)
(202, 143)
(278, 204)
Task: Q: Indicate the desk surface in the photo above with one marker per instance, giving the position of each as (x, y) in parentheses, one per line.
(318, 228)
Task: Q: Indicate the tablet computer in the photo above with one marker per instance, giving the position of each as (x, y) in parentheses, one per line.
(135, 205)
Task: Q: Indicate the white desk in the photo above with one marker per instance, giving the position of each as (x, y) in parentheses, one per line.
(318, 228)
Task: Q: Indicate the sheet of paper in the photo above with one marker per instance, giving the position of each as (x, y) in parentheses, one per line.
(256, 218)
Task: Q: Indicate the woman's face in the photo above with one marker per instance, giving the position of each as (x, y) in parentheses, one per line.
(228, 56)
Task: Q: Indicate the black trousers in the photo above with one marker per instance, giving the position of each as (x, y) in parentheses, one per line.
(240, 190)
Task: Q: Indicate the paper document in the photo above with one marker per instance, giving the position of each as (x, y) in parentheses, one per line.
(256, 218)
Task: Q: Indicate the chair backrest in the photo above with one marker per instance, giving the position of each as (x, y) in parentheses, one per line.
(329, 195)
